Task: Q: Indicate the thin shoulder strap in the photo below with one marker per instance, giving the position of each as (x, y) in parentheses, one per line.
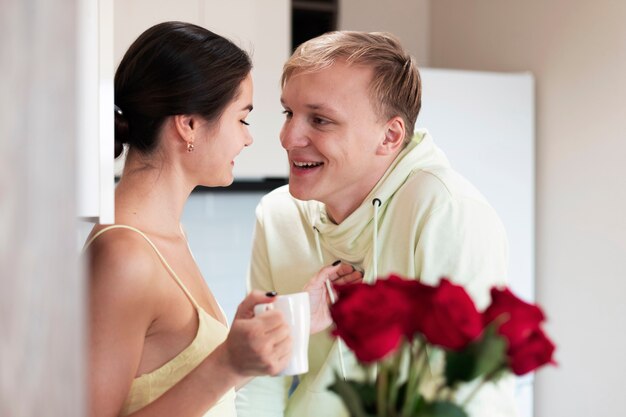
(167, 265)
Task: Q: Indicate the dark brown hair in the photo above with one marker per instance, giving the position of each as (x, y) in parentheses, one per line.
(174, 68)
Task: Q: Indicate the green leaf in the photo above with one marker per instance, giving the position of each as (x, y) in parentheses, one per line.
(441, 409)
(356, 396)
(460, 366)
(486, 356)
(490, 352)
(367, 393)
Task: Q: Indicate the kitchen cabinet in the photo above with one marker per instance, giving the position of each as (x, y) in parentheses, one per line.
(95, 181)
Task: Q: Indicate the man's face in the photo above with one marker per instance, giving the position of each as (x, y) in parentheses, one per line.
(331, 134)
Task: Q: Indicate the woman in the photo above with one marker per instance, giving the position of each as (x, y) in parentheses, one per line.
(159, 342)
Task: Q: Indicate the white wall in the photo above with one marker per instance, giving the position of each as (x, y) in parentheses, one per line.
(577, 51)
(407, 19)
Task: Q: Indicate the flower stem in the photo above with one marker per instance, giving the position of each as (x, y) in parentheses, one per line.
(381, 392)
(412, 395)
(393, 384)
(477, 388)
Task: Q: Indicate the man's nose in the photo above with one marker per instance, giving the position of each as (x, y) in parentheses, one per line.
(293, 135)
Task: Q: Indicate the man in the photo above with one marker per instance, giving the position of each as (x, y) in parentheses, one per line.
(366, 190)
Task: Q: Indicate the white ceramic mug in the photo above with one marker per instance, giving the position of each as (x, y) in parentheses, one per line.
(297, 313)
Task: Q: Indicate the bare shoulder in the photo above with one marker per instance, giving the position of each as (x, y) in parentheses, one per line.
(123, 304)
(122, 265)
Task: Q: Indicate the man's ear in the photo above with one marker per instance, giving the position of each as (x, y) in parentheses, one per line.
(394, 137)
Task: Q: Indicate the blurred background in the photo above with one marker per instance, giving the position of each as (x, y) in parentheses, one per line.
(56, 65)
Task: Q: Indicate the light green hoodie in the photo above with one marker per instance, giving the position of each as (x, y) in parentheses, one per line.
(431, 223)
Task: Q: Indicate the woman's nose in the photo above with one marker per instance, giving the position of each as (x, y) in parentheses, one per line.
(248, 140)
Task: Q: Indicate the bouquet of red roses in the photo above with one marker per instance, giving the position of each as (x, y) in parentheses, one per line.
(397, 325)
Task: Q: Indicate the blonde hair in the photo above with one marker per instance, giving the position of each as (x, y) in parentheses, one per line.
(396, 88)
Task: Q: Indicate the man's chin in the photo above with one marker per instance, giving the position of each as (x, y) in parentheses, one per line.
(300, 193)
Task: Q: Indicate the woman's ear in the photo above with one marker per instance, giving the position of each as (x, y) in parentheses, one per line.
(394, 137)
(184, 125)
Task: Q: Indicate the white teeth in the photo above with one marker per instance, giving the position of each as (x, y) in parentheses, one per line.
(307, 164)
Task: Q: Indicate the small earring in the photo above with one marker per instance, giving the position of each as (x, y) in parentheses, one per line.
(190, 147)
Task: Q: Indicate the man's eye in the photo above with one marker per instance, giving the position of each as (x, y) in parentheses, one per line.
(320, 121)
(287, 114)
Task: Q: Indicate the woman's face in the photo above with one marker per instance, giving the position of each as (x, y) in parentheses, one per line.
(218, 145)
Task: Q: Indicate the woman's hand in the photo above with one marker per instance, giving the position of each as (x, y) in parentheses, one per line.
(341, 273)
(258, 345)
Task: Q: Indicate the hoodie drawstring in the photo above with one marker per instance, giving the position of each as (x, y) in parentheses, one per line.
(331, 295)
(376, 203)
(318, 247)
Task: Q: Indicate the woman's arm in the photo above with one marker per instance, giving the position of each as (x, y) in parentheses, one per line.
(121, 309)
(255, 346)
(123, 305)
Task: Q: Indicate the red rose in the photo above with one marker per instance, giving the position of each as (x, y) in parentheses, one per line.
(419, 297)
(519, 323)
(518, 318)
(452, 320)
(536, 351)
(369, 318)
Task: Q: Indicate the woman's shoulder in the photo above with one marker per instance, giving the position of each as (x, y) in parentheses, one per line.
(122, 262)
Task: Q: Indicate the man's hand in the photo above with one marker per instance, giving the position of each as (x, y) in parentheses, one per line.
(317, 287)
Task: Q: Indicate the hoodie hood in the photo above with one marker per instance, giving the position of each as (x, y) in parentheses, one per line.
(352, 240)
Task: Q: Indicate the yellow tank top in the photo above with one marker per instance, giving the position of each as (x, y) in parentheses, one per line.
(211, 333)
